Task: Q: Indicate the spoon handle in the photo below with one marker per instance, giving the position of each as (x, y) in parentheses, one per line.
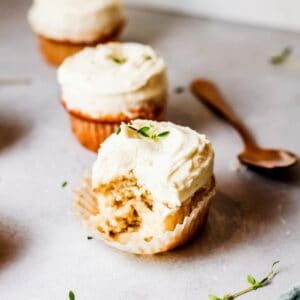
(208, 93)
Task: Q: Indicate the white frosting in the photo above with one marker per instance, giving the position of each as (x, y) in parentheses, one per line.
(94, 83)
(75, 20)
(172, 167)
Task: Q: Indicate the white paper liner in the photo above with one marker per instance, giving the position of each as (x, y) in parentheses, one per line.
(85, 204)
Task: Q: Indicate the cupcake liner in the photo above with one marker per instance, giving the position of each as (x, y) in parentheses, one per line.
(86, 207)
(55, 52)
(91, 133)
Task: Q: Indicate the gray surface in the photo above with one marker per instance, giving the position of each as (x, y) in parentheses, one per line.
(254, 219)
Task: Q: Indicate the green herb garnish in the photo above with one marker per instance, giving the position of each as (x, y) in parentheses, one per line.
(282, 57)
(131, 127)
(71, 295)
(147, 57)
(118, 130)
(179, 90)
(146, 132)
(254, 285)
(89, 237)
(164, 133)
(64, 184)
(119, 60)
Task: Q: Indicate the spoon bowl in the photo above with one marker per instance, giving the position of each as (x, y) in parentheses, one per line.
(267, 158)
(253, 155)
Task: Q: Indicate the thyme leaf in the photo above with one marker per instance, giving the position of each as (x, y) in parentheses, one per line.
(64, 184)
(71, 295)
(119, 60)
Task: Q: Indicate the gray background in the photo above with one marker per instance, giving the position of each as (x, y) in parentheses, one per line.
(254, 219)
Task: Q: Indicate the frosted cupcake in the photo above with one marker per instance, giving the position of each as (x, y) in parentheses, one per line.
(110, 84)
(66, 26)
(150, 188)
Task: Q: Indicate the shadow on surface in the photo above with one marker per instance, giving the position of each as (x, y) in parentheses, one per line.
(251, 213)
(289, 175)
(12, 129)
(224, 220)
(11, 242)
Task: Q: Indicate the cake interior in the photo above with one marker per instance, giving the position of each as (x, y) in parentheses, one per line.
(127, 211)
(124, 206)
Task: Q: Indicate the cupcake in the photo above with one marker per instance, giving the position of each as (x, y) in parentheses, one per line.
(64, 27)
(150, 188)
(110, 84)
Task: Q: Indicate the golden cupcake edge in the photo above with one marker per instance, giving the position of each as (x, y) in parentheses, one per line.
(92, 132)
(56, 51)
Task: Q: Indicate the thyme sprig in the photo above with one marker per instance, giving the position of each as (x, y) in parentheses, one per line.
(282, 57)
(254, 285)
(145, 131)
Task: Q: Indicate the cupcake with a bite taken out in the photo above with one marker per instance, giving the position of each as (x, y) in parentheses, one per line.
(64, 27)
(109, 84)
(150, 188)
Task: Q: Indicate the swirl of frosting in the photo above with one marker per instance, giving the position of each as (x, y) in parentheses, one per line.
(75, 20)
(172, 165)
(112, 78)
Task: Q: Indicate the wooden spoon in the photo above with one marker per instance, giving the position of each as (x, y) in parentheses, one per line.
(253, 154)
